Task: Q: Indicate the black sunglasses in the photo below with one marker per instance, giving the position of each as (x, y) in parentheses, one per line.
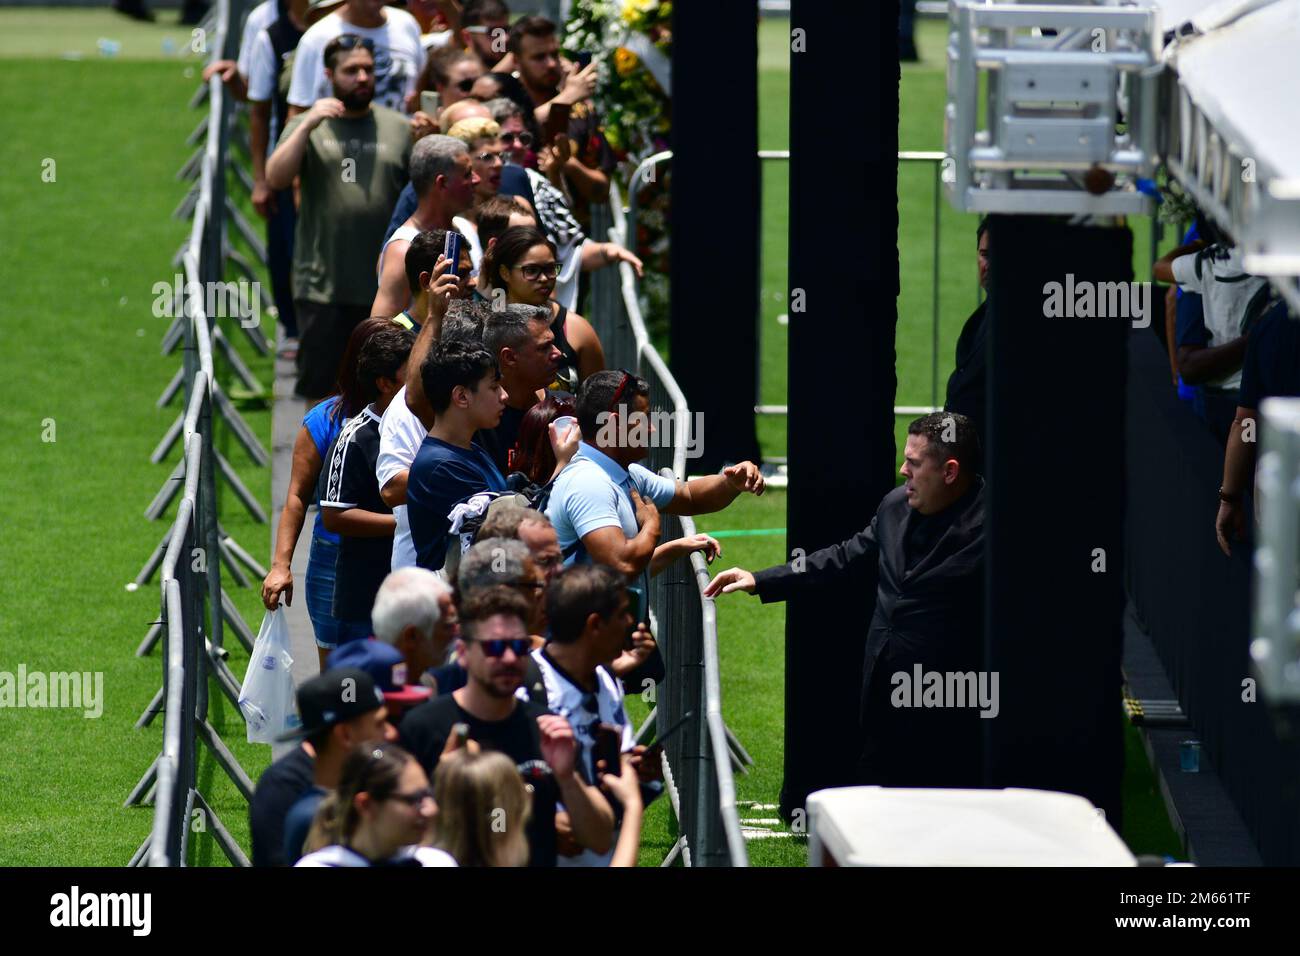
(496, 646)
(524, 139)
(466, 84)
(350, 41)
(414, 798)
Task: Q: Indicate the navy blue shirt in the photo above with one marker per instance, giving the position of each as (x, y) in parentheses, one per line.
(441, 477)
(450, 677)
(1272, 365)
(1189, 327)
(297, 823)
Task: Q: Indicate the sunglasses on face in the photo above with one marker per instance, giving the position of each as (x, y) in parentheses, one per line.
(536, 270)
(496, 646)
(524, 139)
(466, 84)
(414, 798)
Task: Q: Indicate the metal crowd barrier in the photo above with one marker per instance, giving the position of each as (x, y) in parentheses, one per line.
(698, 761)
(645, 173)
(190, 556)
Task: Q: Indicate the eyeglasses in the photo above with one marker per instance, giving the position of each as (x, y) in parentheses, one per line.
(466, 84)
(496, 646)
(524, 139)
(535, 270)
(414, 798)
(488, 157)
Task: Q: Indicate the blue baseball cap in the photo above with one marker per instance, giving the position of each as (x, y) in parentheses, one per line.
(385, 665)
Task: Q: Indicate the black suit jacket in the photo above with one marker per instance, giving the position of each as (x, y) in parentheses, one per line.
(932, 614)
(968, 383)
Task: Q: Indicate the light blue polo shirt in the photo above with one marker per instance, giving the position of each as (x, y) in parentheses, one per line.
(592, 493)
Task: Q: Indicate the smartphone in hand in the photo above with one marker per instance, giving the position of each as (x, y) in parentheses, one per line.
(608, 747)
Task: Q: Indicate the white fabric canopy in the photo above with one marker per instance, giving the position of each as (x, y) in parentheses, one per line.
(1246, 78)
(879, 826)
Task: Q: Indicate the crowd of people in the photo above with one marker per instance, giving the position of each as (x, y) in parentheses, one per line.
(484, 533)
(1231, 344)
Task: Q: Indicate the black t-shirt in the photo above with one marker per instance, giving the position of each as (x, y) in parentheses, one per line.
(279, 788)
(424, 731)
(498, 441)
(347, 480)
(1272, 364)
(284, 37)
(924, 531)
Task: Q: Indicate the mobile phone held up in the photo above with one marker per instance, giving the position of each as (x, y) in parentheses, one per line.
(429, 104)
(608, 747)
(451, 249)
(583, 60)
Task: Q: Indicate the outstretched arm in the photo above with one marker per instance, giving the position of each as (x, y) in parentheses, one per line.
(781, 581)
(711, 493)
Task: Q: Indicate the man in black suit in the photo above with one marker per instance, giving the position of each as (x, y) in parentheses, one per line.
(927, 541)
(967, 385)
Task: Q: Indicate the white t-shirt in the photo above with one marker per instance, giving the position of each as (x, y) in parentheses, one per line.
(470, 232)
(334, 856)
(1225, 289)
(400, 436)
(263, 76)
(400, 234)
(259, 18)
(399, 58)
(433, 41)
(566, 698)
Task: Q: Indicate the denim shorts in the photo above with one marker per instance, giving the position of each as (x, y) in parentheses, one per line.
(330, 631)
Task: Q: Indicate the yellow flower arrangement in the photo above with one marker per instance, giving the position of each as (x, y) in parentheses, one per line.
(625, 61)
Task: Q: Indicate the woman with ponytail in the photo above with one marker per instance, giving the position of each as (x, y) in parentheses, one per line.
(380, 812)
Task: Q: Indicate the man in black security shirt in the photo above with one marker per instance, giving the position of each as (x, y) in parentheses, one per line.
(927, 540)
(493, 649)
(968, 383)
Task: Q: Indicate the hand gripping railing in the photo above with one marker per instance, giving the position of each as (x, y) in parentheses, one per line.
(698, 761)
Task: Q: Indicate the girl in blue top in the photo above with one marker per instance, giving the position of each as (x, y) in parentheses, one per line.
(320, 427)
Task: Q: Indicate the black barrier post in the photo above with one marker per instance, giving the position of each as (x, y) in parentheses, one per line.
(1055, 503)
(716, 203)
(842, 379)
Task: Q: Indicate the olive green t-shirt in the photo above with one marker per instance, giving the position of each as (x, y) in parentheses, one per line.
(351, 176)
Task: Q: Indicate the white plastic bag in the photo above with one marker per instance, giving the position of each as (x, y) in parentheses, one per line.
(267, 696)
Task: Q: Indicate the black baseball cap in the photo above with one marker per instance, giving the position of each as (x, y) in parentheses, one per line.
(332, 698)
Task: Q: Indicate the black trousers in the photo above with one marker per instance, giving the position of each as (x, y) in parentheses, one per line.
(917, 746)
(279, 259)
(323, 332)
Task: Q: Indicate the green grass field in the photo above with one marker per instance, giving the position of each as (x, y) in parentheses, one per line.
(80, 255)
(78, 260)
